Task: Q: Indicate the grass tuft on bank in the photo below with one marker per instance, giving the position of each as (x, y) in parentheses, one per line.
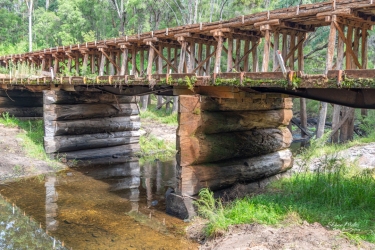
(159, 115)
(32, 137)
(153, 148)
(338, 195)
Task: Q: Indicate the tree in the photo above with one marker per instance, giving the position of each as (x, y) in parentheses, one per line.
(30, 6)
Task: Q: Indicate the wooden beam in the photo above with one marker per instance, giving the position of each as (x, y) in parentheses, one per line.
(230, 52)
(151, 55)
(182, 57)
(238, 54)
(162, 57)
(348, 45)
(110, 59)
(200, 56)
(204, 61)
(276, 36)
(246, 57)
(331, 47)
(266, 51)
(218, 54)
(124, 61)
(364, 48)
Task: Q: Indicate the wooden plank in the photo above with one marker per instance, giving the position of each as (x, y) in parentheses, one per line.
(255, 55)
(238, 54)
(182, 57)
(364, 48)
(21, 102)
(246, 56)
(89, 141)
(124, 61)
(230, 54)
(208, 62)
(92, 126)
(85, 111)
(81, 97)
(219, 48)
(200, 58)
(217, 176)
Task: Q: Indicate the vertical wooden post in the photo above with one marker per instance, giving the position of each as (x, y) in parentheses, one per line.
(337, 108)
(92, 63)
(192, 57)
(255, 55)
(266, 51)
(200, 56)
(142, 61)
(102, 64)
(238, 54)
(292, 45)
(160, 60)
(364, 48)
(303, 113)
(56, 65)
(124, 60)
(175, 56)
(230, 54)
(85, 62)
(329, 60)
(284, 51)
(182, 55)
(208, 63)
(118, 61)
(168, 58)
(77, 65)
(301, 62)
(134, 60)
(276, 36)
(218, 53)
(246, 59)
(150, 60)
(349, 38)
(43, 67)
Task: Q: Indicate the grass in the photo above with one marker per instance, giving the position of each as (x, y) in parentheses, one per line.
(153, 148)
(159, 115)
(32, 137)
(337, 195)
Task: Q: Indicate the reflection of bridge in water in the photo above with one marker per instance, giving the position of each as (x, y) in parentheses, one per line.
(234, 102)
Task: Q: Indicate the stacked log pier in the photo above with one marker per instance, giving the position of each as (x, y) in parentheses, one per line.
(225, 141)
(22, 104)
(91, 127)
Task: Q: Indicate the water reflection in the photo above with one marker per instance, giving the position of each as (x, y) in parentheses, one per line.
(51, 203)
(110, 207)
(18, 231)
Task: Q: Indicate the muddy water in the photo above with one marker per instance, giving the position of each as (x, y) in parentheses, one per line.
(113, 207)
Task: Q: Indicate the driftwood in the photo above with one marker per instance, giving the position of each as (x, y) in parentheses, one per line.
(224, 174)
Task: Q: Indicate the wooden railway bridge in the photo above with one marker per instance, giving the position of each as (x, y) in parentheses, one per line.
(234, 104)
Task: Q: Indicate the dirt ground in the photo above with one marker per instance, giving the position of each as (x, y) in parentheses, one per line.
(14, 163)
(260, 237)
(161, 131)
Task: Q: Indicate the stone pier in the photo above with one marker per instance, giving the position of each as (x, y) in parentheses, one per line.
(91, 127)
(222, 142)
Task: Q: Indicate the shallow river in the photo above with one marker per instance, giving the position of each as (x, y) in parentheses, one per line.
(114, 207)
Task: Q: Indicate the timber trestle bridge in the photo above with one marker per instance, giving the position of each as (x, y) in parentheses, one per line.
(233, 107)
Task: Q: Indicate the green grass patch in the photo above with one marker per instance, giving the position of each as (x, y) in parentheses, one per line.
(337, 195)
(32, 137)
(159, 115)
(153, 148)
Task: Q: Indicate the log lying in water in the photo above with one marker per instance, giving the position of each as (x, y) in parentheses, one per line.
(80, 97)
(23, 111)
(84, 111)
(258, 103)
(203, 148)
(219, 122)
(87, 141)
(92, 126)
(224, 174)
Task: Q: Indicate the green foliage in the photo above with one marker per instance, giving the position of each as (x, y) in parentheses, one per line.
(159, 115)
(343, 191)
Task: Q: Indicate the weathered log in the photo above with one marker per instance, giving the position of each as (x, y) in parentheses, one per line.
(21, 101)
(123, 153)
(20, 93)
(203, 148)
(92, 126)
(224, 174)
(81, 97)
(23, 111)
(116, 170)
(219, 122)
(88, 141)
(84, 111)
(254, 103)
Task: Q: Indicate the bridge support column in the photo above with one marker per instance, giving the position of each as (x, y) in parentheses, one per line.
(222, 142)
(90, 127)
(21, 103)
